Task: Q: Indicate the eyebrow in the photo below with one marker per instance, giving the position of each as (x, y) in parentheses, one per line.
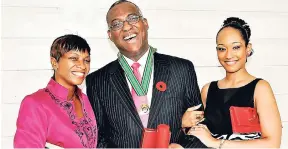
(113, 20)
(119, 19)
(75, 52)
(236, 42)
(224, 45)
(127, 16)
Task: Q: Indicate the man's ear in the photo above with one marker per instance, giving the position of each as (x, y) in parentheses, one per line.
(54, 63)
(109, 34)
(146, 23)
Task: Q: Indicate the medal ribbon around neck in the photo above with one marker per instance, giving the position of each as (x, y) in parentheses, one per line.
(141, 89)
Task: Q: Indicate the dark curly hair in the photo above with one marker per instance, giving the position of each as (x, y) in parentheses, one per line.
(240, 25)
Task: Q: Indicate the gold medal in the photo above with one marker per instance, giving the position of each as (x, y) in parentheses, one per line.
(145, 108)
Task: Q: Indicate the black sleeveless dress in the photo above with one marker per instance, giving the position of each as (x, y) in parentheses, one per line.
(217, 114)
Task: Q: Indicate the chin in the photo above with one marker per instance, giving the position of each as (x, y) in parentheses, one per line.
(132, 48)
(231, 70)
(77, 81)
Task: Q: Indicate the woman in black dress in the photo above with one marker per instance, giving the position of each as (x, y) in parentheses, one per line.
(238, 88)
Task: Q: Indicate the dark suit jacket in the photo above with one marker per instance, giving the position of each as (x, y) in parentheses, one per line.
(119, 125)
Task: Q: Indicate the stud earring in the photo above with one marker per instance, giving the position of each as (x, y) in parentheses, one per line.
(55, 68)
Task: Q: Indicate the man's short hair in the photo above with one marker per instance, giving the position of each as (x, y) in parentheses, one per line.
(119, 2)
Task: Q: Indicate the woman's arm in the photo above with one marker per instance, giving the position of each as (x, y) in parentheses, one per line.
(270, 121)
(204, 93)
(31, 125)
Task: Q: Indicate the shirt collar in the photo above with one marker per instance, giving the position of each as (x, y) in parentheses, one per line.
(60, 91)
(141, 61)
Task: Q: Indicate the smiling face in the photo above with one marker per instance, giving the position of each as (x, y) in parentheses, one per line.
(232, 51)
(131, 39)
(72, 68)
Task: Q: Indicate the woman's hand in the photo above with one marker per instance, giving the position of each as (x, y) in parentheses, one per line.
(203, 134)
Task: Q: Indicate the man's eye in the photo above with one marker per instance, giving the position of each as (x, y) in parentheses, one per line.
(133, 18)
(116, 24)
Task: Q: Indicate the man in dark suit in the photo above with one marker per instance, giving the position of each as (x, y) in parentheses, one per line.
(142, 88)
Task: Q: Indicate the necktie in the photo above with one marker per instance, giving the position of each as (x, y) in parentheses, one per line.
(141, 102)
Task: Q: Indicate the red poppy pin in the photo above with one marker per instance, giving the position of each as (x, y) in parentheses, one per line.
(161, 86)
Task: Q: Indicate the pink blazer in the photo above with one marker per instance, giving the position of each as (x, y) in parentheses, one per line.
(47, 116)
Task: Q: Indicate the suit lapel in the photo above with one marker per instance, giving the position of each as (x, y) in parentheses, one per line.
(119, 83)
(161, 73)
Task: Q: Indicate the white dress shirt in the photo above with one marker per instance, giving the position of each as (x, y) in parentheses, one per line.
(142, 62)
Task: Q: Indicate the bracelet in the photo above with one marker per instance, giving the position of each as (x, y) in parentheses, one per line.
(221, 143)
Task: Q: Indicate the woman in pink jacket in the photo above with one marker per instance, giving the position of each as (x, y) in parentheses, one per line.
(60, 113)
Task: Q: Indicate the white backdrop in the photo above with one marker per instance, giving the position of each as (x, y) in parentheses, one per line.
(184, 28)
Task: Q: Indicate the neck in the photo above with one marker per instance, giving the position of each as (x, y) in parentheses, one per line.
(71, 88)
(236, 76)
(136, 57)
(71, 93)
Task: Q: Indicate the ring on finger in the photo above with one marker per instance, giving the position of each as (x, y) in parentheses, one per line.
(190, 131)
(198, 116)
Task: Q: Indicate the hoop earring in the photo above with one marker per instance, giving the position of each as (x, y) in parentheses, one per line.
(251, 52)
